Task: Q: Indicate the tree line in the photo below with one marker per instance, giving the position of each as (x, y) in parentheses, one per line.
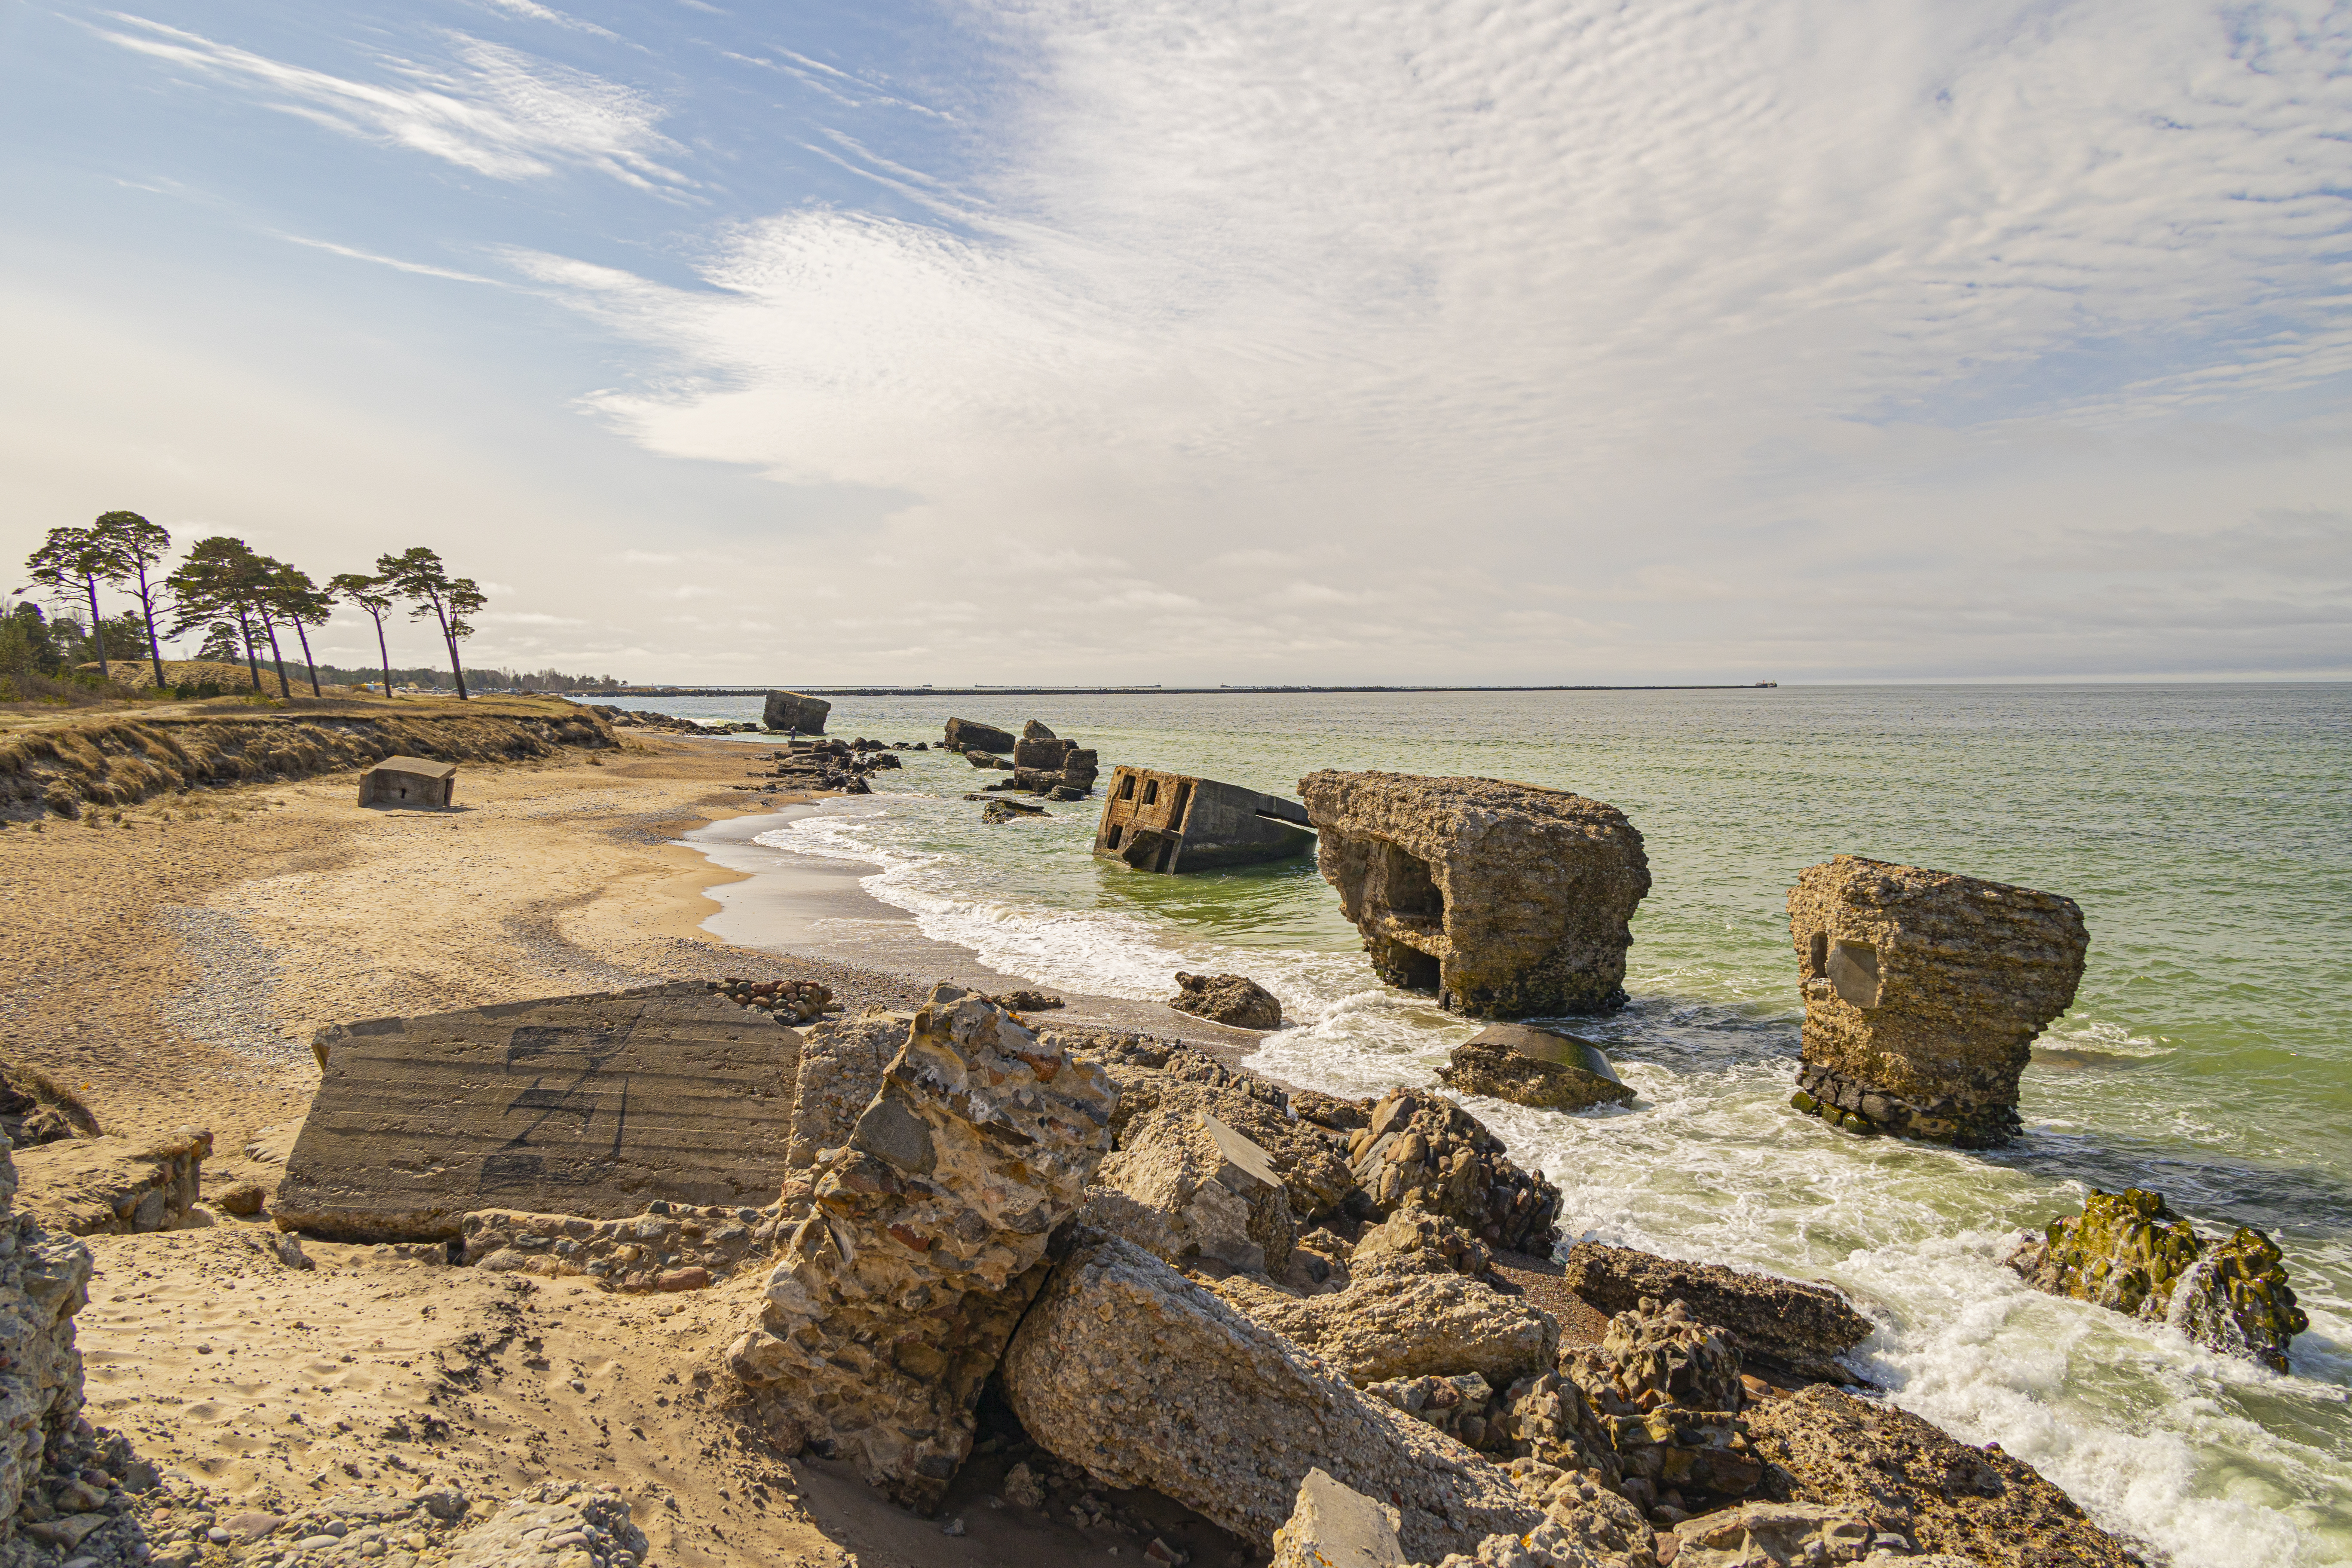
(240, 599)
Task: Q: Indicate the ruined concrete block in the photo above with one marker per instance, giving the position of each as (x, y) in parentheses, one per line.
(1541, 1068)
(1142, 1377)
(1801, 1327)
(670, 1247)
(1193, 1187)
(1423, 1151)
(1923, 993)
(894, 1297)
(1233, 999)
(1175, 822)
(792, 711)
(1507, 900)
(587, 1105)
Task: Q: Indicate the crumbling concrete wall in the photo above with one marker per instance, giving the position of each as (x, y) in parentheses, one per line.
(1923, 993)
(44, 1281)
(894, 1299)
(111, 1186)
(1507, 900)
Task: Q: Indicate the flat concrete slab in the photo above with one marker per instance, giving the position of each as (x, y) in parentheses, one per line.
(589, 1105)
(1246, 1167)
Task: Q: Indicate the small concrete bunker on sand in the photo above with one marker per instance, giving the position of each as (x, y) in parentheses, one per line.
(409, 781)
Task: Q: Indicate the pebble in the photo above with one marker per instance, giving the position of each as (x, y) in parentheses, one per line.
(952, 1527)
(218, 1536)
(314, 1543)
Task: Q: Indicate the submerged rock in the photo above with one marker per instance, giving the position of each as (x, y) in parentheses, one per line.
(968, 735)
(1506, 900)
(1541, 1068)
(1145, 1379)
(1232, 999)
(1923, 993)
(1798, 1327)
(894, 1299)
(2129, 1252)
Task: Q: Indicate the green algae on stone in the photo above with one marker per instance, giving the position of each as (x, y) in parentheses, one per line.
(2129, 1252)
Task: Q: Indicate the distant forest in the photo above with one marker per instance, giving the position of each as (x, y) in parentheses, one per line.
(477, 680)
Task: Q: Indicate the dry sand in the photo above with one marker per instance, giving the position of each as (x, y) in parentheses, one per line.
(172, 960)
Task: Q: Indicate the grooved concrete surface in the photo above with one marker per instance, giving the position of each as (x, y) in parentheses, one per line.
(589, 1105)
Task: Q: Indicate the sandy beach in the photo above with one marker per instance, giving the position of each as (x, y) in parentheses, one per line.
(175, 959)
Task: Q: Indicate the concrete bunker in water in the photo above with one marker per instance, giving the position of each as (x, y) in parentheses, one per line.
(794, 712)
(409, 781)
(1176, 822)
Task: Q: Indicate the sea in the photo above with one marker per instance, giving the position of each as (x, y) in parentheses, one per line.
(2205, 830)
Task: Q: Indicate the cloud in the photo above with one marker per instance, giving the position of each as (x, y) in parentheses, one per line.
(532, 10)
(1685, 304)
(424, 268)
(490, 109)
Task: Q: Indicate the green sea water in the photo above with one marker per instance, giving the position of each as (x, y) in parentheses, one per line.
(2206, 831)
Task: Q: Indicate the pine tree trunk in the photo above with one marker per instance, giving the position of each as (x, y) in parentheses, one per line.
(97, 628)
(252, 659)
(147, 610)
(382, 653)
(305, 636)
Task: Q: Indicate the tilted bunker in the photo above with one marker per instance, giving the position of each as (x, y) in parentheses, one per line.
(1176, 822)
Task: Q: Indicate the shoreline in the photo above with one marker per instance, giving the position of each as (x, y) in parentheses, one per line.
(779, 902)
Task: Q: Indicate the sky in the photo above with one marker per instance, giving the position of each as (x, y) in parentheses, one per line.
(1226, 342)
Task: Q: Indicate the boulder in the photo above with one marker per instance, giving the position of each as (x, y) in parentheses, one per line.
(1923, 993)
(2129, 1252)
(967, 735)
(1202, 1190)
(792, 711)
(1881, 1462)
(1046, 755)
(243, 1199)
(1144, 1379)
(589, 1105)
(1009, 811)
(1227, 999)
(1332, 1526)
(1548, 1423)
(1422, 1151)
(1393, 1323)
(1034, 730)
(1542, 1067)
(1797, 1327)
(1505, 899)
(893, 1299)
(109, 1186)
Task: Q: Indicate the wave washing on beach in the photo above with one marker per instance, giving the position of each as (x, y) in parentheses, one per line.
(2152, 1080)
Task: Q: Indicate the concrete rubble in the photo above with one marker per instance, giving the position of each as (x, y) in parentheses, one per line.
(591, 1105)
(1797, 1327)
(1125, 1366)
(892, 1300)
(1923, 992)
(668, 1247)
(2129, 1252)
(1411, 1319)
(1182, 1185)
(1667, 1390)
(1155, 821)
(969, 736)
(1422, 1151)
(1542, 1067)
(107, 1186)
(44, 1281)
(1505, 899)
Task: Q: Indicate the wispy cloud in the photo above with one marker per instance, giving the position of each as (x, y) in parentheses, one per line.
(424, 268)
(532, 10)
(490, 109)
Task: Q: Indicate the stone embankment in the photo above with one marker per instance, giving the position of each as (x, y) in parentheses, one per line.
(75, 763)
(1507, 900)
(1923, 993)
